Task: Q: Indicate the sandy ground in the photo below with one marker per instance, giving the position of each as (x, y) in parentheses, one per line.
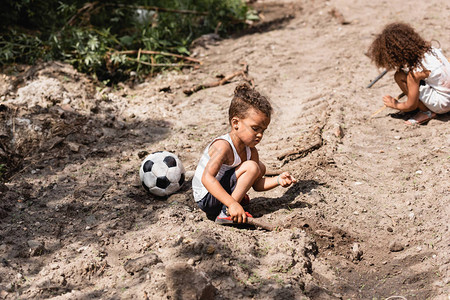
(368, 218)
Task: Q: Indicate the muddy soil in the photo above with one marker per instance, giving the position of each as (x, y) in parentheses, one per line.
(368, 218)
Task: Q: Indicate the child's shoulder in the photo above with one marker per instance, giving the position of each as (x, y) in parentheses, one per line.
(221, 150)
(221, 141)
(220, 145)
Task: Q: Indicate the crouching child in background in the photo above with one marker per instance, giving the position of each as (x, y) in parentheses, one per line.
(422, 71)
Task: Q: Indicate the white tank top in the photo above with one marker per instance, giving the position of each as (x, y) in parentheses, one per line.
(439, 67)
(436, 93)
(197, 186)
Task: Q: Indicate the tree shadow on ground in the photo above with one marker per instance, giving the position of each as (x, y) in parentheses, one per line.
(386, 281)
(236, 271)
(274, 16)
(66, 182)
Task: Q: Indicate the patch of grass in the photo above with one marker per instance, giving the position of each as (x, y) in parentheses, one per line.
(281, 269)
(262, 251)
(254, 279)
(277, 279)
(244, 267)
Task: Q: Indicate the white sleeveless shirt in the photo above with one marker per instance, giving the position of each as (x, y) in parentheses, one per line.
(436, 93)
(197, 186)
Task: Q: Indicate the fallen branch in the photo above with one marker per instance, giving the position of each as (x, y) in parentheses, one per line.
(226, 79)
(94, 7)
(213, 84)
(377, 78)
(140, 52)
(302, 152)
(261, 224)
(160, 65)
(159, 9)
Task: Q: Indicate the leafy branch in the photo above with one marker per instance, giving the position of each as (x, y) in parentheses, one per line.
(111, 40)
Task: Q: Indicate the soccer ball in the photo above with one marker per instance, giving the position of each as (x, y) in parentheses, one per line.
(162, 173)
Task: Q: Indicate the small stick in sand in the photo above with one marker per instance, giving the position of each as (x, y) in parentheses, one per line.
(384, 106)
(377, 112)
(256, 222)
(226, 79)
(261, 224)
(377, 78)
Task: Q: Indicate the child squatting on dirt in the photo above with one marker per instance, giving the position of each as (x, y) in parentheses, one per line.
(230, 164)
(422, 71)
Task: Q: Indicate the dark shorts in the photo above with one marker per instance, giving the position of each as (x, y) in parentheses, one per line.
(209, 204)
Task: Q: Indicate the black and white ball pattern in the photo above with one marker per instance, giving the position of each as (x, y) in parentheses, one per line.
(162, 173)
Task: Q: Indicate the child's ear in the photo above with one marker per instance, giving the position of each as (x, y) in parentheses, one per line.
(235, 123)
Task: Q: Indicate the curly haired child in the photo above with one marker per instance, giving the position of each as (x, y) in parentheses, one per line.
(230, 164)
(422, 71)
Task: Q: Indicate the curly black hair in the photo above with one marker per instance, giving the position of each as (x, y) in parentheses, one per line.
(246, 97)
(398, 46)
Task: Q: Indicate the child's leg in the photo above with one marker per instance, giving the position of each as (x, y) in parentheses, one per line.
(262, 169)
(246, 175)
(211, 206)
(422, 106)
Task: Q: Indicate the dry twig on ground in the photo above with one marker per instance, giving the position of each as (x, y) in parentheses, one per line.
(300, 152)
(140, 51)
(225, 80)
(261, 224)
(339, 16)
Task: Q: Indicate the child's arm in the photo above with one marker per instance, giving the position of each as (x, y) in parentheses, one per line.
(219, 153)
(266, 183)
(413, 84)
(285, 179)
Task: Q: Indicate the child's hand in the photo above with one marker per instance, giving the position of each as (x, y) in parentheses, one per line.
(285, 179)
(237, 213)
(389, 101)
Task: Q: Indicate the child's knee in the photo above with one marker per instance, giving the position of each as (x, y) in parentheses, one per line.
(251, 167)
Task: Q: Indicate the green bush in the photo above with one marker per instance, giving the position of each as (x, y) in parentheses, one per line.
(104, 38)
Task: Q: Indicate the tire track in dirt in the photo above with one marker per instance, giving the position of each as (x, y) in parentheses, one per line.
(383, 175)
